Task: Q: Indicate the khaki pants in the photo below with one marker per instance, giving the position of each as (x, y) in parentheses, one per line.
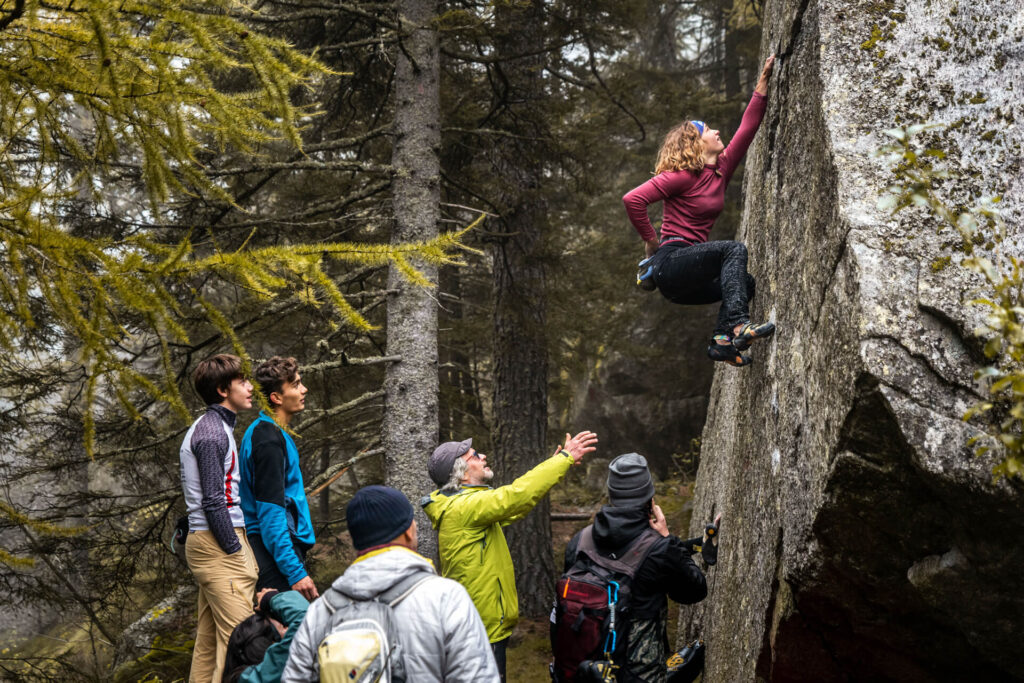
(226, 585)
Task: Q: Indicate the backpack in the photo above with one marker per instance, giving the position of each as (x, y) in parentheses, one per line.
(592, 604)
(362, 644)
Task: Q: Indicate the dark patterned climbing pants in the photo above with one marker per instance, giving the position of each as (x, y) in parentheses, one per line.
(705, 273)
(646, 651)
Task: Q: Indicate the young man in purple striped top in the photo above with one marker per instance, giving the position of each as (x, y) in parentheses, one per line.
(217, 551)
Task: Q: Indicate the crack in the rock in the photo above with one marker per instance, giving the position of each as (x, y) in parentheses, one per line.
(832, 276)
(763, 667)
(974, 346)
(782, 95)
(795, 27)
(948, 383)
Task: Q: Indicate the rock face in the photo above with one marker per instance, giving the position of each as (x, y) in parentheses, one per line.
(862, 540)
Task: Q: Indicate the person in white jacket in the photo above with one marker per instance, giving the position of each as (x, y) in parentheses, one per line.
(439, 629)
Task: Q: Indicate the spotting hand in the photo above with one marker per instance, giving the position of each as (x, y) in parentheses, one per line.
(579, 445)
(306, 586)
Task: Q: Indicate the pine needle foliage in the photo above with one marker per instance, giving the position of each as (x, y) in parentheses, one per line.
(83, 82)
(99, 94)
(94, 287)
(918, 169)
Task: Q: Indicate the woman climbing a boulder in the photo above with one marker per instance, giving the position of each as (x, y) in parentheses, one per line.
(692, 172)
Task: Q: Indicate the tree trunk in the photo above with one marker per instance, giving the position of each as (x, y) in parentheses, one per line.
(461, 411)
(410, 427)
(730, 56)
(520, 347)
(658, 37)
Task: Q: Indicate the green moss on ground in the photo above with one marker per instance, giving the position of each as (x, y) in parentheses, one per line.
(530, 652)
(169, 660)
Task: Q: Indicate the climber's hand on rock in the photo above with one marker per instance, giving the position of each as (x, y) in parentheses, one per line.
(766, 73)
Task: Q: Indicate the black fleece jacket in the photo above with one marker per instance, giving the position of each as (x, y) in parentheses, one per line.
(668, 569)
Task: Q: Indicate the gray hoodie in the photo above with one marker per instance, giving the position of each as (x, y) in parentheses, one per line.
(440, 630)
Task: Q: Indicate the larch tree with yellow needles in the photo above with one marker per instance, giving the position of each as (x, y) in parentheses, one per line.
(133, 136)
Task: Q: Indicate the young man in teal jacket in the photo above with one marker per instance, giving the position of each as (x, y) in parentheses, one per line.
(277, 521)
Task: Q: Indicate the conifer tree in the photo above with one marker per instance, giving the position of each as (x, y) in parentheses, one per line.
(110, 88)
(410, 428)
(141, 144)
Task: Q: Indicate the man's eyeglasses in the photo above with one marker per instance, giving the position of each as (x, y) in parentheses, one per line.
(474, 454)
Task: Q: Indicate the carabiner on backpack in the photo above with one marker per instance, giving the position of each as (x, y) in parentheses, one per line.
(613, 599)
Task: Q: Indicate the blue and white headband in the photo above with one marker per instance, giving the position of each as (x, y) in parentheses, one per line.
(700, 126)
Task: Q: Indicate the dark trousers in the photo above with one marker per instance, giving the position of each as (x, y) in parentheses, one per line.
(499, 649)
(705, 273)
(270, 575)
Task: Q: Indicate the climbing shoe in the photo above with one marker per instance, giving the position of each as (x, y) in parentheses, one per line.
(727, 353)
(749, 332)
(684, 666)
(645, 275)
(600, 671)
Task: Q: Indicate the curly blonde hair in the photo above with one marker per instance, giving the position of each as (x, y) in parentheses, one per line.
(683, 149)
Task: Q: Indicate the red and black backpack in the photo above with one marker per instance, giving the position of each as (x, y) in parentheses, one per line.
(592, 604)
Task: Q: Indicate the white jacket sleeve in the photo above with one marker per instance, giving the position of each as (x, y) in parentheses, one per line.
(303, 666)
(467, 652)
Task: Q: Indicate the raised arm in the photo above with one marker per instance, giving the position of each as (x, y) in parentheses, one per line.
(674, 567)
(731, 157)
(508, 503)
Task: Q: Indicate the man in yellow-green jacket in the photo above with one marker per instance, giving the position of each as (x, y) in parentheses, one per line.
(468, 515)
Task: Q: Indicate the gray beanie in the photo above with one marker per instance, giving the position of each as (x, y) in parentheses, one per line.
(443, 459)
(629, 481)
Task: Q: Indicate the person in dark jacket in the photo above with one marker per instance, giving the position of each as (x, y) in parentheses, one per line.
(668, 571)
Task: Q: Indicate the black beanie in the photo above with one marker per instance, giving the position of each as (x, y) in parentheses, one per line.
(629, 481)
(376, 515)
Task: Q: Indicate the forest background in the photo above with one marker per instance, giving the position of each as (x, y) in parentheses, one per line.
(296, 177)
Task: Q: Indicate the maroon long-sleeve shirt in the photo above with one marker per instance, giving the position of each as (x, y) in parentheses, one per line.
(693, 199)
